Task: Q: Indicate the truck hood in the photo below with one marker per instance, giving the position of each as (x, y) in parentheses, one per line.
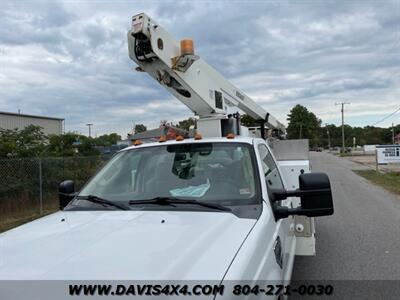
(134, 245)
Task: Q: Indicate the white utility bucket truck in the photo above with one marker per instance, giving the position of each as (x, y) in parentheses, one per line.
(228, 204)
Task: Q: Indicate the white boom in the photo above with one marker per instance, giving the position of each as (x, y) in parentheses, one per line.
(190, 79)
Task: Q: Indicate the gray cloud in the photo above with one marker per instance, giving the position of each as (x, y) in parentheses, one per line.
(69, 59)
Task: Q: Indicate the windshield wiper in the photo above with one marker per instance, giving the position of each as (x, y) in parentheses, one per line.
(96, 199)
(173, 200)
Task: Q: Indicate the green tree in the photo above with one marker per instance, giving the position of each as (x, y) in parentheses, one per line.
(27, 142)
(107, 140)
(140, 128)
(248, 121)
(86, 146)
(185, 124)
(62, 145)
(304, 124)
(8, 142)
(73, 144)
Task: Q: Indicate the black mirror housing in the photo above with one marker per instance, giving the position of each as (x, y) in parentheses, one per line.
(315, 194)
(316, 200)
(66, 192)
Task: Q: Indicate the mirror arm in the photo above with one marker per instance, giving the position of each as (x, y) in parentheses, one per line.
(282, 212)
(68, 195)
(279, 195)
(283, 194)
(299, 193)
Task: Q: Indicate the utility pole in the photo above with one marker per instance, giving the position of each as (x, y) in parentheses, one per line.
(90, 127)
(329, 137)
(392, 133)
(342, 104)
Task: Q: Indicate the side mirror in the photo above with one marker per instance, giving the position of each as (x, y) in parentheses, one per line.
(316, 198)
(315, 194)
(66, 192)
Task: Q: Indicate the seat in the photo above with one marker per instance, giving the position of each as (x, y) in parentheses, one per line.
(164, 180)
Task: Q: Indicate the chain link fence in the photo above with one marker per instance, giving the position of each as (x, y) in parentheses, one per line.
(30, 185)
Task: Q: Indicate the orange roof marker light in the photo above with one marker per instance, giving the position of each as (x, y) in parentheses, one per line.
(230, 136)
(187, 47)
(179, 138)
(137, 143)
(198, 136)
(162, 139)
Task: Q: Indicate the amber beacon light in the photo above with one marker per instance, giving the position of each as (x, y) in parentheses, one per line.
(187, 47)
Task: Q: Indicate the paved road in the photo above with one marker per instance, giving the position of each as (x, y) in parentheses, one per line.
(361, 241)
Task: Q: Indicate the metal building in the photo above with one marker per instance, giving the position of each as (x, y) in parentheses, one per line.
(49, 125)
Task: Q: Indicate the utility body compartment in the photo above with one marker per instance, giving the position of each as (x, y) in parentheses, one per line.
(293, 159)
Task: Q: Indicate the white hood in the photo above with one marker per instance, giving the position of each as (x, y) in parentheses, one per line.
(135, 245)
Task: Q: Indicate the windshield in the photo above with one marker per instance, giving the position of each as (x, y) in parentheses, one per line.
(215, 172)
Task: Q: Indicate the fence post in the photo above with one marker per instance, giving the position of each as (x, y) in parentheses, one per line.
(40, 187)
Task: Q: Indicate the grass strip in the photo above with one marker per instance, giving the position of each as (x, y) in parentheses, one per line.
(389, 181)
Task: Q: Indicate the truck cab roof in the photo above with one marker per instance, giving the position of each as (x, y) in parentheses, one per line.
(236, 139)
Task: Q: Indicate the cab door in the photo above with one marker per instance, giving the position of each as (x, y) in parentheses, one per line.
(285, 242)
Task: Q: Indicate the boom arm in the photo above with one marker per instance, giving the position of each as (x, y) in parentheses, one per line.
(190, 79)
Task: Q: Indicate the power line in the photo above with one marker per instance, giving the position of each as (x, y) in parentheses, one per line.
(387, 117)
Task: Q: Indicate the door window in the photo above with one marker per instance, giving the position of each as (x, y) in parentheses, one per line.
(270, 169)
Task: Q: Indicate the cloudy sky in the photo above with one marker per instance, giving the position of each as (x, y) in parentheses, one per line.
(69, 59)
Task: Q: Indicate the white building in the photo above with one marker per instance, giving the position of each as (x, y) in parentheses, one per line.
(369, 149)
(49, 125)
